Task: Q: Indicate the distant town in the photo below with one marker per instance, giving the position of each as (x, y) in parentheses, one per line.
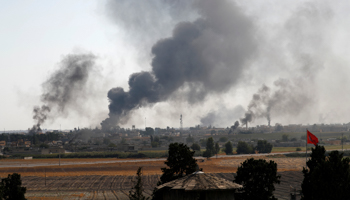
(22, 143)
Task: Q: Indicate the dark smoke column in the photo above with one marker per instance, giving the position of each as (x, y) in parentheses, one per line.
(205, 56)
(63, 88)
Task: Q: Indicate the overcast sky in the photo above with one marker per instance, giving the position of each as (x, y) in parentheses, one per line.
(298, 49)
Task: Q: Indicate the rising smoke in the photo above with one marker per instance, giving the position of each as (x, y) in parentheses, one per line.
(304, 39)
(207, 55)
(287, 99)
(222, 116)
(63, 88)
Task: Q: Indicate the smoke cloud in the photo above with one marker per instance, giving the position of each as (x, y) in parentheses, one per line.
(206, 56)
(222, 117)
(64, 87)
(286, 100)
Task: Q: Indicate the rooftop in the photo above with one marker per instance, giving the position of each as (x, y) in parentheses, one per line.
(200, 181)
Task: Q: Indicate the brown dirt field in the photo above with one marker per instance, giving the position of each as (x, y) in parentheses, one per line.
(89, 166)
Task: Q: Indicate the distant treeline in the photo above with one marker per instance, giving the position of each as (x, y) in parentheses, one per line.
(49, 136)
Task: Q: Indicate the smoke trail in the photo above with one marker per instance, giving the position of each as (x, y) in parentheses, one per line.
(234, 127)
(222, 117)
(206, 56)
(63, 87)
(288, 99)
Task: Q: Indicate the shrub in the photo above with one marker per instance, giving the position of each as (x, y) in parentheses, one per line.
(244, 148)
(263, 146)
(223, 139)
(195, 147)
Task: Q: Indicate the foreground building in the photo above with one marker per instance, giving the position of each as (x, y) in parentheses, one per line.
(198, 185)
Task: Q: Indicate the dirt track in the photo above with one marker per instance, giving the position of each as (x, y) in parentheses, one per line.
(150, 167)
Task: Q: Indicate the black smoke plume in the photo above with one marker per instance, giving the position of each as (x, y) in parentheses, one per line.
(288, 99)
(205, 56)
(63, 87)
(222, 116)
(234, 127)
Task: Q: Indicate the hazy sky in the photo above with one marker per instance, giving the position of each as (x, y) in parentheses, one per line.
(298, 49)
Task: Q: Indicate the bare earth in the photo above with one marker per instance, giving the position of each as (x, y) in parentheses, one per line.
(112, 178)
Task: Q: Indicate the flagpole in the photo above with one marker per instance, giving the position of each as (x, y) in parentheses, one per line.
(306, 149)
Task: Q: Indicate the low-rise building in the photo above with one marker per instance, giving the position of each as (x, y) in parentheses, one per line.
(53, 150)
(199, 185)
(3, 143)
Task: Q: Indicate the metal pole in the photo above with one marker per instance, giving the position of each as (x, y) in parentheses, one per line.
(306, 149)
(342, 142)
(45, 176)
(59, 159)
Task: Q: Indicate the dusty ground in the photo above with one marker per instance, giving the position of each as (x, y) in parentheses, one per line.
(112, 178)
(79, 167)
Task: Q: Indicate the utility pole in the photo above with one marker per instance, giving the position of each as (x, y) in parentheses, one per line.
(306, 149)
(342, 142)
(181, 122)
(45, 176)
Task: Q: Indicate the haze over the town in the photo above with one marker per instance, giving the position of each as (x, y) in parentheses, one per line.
(214, 62)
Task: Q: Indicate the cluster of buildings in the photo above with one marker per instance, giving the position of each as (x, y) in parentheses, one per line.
(133, 140)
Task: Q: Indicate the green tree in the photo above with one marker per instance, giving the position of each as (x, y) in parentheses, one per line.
(6, 149)
(195, 147)
(136, 192)
(154, 144)
(223, 139)
(180, 162)
(228, 148)
(123, 141)
(203, 142)
(43, 145)
(189, 139)
(106, 141)
(258, 178)
(11, 189)
(112, 145)
(149, 131)
(326, 177)
(263, 146)
(210, 148)
(285, 137)
(278, 127)
(244, 148)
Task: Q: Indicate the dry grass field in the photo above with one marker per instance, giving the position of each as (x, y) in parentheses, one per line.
(79, 167)
(112, 178)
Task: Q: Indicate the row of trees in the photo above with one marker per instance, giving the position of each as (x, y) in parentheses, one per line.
(262, 147)
(213, 148)
(327, 177)
(36, 138)
(257, 176)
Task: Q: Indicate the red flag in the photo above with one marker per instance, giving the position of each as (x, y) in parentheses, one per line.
(311, 138)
